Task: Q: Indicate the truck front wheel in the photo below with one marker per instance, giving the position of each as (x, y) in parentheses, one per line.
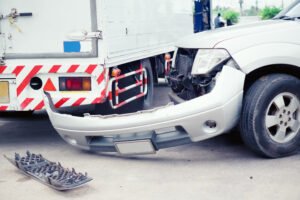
(141, 103)
(270, 122)
(148, 99)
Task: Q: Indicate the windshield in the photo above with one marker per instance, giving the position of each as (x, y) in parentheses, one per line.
(293, 11)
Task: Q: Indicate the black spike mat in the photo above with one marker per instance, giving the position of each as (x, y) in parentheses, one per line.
(49, 173)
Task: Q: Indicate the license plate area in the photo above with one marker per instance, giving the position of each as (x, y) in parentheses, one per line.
(135, 147)
(4, 92)
(137, 144)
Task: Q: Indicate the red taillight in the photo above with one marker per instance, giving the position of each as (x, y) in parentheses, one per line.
(75, 84)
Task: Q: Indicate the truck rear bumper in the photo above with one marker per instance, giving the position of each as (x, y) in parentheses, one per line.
(27, 81)
(147, 131)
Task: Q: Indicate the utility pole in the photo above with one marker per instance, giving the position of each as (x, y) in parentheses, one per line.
(282, 4)
(256, 6)
(241, 6)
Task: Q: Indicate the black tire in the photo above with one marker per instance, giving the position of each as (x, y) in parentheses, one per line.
(145, 102)
(259, 101)
(148, 99)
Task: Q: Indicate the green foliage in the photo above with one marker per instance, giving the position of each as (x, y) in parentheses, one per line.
(269, 12)
(231, 15)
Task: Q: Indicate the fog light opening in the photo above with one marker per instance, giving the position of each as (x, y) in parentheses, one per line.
(70, 140)
(211, 124)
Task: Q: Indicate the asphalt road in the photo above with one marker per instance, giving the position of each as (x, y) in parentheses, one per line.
(219, 168)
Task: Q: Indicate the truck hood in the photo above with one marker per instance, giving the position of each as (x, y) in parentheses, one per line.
(235, 38)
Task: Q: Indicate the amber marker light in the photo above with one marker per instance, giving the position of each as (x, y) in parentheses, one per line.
(115, 72)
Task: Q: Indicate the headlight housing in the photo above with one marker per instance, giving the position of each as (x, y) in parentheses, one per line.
(208, 59)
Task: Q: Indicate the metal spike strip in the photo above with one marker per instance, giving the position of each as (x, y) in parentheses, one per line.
(49, 173)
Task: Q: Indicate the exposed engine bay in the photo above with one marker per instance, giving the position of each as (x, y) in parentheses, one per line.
(181, 80)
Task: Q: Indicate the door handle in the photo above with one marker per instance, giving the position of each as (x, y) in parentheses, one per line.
(26, 14)
(14, 14)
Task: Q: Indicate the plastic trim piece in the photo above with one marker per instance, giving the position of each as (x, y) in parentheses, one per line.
(159, 141)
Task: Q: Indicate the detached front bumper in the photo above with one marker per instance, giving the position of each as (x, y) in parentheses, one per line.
(148, 131)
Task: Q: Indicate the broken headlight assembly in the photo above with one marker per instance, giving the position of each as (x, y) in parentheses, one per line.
(208, 59)
(200, 67)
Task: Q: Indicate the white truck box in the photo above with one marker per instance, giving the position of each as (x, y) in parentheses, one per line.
(48, 40)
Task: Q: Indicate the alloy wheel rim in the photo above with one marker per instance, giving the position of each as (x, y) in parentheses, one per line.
(282, 118)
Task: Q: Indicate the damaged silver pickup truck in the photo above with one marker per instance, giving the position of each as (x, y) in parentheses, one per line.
(246, 76)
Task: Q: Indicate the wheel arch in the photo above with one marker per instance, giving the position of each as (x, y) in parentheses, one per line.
(270, 69)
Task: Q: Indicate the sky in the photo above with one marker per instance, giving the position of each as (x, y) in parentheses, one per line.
(248, 3)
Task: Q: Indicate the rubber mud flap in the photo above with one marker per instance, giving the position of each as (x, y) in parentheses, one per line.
(49, 173)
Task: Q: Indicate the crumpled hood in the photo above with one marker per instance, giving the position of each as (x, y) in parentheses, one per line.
(237, 37)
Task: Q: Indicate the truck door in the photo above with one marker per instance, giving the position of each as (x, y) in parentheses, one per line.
(202, 15)
(48, 29)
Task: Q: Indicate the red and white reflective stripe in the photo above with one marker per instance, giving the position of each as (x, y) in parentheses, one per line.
(11, 70)
(73, 68)
(106, 90)
(3, 108)
(25, 103)
(18, 70)
(78, 102)
(30, 101)
(91, 69)
(61, 102)
(64, 102)
(70, 102)
(98, 100)
(2, 68)
(40, 106)
(54, 68)
(27, 79)
(101, 77)
(142, 83)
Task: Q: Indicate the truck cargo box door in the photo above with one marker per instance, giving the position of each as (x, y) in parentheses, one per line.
(48, 29)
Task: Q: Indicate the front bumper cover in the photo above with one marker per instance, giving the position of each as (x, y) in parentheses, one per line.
(164, 127)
